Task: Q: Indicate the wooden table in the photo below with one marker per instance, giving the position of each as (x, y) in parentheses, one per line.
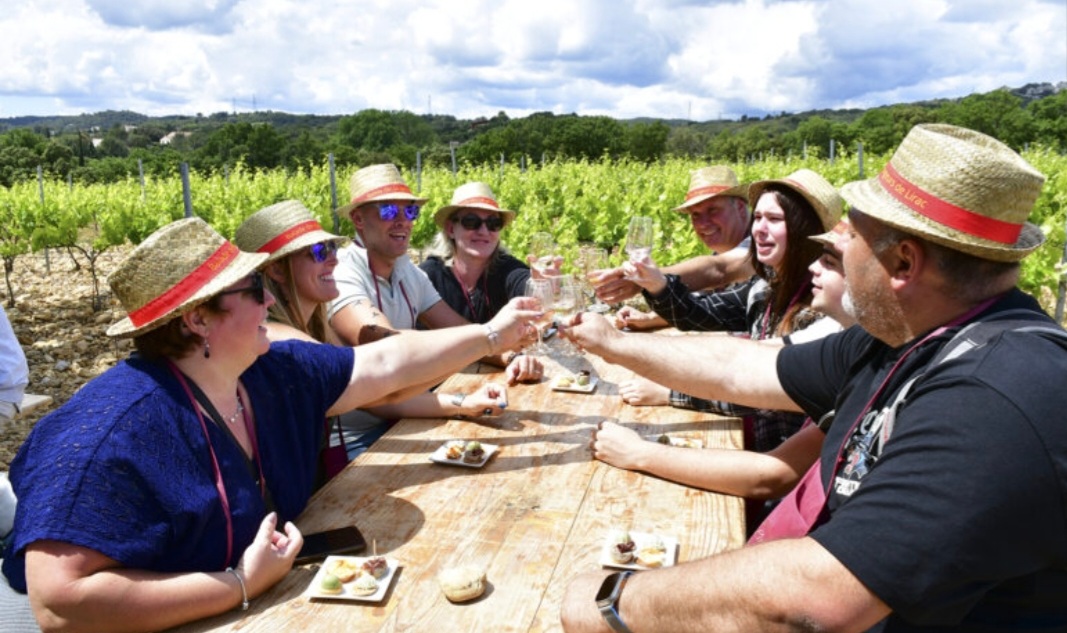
(534, 516)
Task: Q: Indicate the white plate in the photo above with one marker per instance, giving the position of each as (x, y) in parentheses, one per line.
(346, 594)
(575, 387)
(640, 540)
(684, 442)
(440, 457)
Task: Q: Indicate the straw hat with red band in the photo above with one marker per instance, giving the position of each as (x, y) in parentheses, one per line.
(472, 195)
(282, 229)
(816, 190)
(378, 183)
(958, 188)
(830, 237)
(710, 182)
(176, 268)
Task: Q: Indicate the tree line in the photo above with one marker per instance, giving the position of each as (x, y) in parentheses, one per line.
(112, 146)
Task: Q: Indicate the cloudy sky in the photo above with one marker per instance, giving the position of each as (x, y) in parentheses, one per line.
(690, 59)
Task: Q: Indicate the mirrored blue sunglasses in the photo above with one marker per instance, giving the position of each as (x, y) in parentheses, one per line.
(388, 211)
(322, 251)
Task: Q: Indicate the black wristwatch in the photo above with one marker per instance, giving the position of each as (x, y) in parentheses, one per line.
(608, 597)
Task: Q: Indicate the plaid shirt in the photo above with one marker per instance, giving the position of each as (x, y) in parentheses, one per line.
(741, 309)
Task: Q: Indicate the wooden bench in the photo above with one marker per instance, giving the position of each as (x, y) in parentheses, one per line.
(31, 401)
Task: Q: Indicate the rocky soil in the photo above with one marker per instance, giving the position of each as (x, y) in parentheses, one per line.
(61, 333)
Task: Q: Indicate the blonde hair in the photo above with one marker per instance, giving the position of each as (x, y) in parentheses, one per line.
(285, 309)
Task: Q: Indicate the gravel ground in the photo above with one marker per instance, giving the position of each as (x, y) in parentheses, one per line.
(62, 335)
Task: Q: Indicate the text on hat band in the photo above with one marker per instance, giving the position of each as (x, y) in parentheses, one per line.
(373, 193)
(477, 200)
(703, 191)
(187, 287)
(946, 213)
(288, 236)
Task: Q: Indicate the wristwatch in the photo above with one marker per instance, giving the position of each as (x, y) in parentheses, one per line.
(608, 597)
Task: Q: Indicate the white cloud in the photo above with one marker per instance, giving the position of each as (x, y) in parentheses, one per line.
(622, 58)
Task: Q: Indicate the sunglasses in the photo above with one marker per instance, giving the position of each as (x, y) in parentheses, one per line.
(322, 251)
(389, 211)
(255, 289)
(472, 222)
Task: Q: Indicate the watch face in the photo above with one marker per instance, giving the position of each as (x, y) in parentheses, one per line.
(607, 588)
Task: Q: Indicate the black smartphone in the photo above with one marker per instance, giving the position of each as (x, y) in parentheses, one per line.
(319, 545)
(549, 333)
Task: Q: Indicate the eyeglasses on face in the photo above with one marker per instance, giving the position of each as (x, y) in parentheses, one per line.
(388, 211)
(322, 251)
(255, 288)
(472, 222)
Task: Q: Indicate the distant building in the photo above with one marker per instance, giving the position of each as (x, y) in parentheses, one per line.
(169, 138)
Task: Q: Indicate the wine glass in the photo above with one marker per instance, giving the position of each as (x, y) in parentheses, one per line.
(594, 259)
(542, 290)
(543, 247)
(639, 238)
(568, 302)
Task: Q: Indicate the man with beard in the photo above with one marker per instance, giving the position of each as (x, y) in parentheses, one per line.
(943, 466)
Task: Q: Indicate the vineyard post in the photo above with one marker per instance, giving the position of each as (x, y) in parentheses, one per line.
(140, 172)
(501, 178)
(452, 151)
(418, 171)
(805, 150)
(40, 194)
(1061, 290)
(333, 192)
(187, 195)
(831, 151)
(859, 157)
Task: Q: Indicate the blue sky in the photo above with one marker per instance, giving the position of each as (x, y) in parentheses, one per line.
(471, 58)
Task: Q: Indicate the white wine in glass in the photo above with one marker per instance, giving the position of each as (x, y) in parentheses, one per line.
(542, 290)
(639, 238)
(543, 248)
(594, 259)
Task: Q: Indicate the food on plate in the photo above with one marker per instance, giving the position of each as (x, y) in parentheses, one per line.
(583, 378)
(365, 585)
(473, 453)
(622, 547)
(565, 382)
(462, 583)
(331, 584)
(375, 566)
(343, 568)
(652, 553)
(454, 450)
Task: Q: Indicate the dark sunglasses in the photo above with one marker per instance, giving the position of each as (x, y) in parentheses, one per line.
(389, 211)
(255, 289)
(472, 222)
(322, 251)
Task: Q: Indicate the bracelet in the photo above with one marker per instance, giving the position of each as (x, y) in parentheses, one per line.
(457, 399)
(493, 336)
(240, 581)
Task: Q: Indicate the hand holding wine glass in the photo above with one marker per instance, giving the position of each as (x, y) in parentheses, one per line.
(542, 290)
(542, 253)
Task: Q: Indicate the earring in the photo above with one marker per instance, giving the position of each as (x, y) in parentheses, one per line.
(207, 349)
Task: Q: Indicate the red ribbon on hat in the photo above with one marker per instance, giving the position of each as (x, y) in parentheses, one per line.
(477, 200)
(373, 193)
(187, 287)
(700, 191)
(946, 213)
(288, 236)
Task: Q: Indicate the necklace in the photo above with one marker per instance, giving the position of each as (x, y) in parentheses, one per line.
(240, 409)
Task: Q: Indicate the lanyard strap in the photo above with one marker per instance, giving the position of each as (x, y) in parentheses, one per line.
(378, 293)
(475, 314)
(796, 297)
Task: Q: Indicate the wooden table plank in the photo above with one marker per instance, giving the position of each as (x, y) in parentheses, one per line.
(533, 516)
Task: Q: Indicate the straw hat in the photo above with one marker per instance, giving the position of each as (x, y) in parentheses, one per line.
(473, 195)
(816, 190)
(176, 268)
(829, 238)
(281, 229)
(375, 183)
(708, 182)
(958, 188)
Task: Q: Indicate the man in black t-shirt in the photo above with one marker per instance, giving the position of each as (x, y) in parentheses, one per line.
(946, 480)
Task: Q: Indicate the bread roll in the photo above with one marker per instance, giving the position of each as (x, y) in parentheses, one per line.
(462, 583)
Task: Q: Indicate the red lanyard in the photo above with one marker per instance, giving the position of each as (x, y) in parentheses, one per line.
(378, 292)
(220, 485)
(475, 314)
(767, 313)
(970, 314)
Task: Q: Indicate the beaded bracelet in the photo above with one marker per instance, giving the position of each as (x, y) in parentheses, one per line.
(240, 581)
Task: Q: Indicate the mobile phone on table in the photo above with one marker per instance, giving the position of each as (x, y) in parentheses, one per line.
(319, 545)
(549, 333)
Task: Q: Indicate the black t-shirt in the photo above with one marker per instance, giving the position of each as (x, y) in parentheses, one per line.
(958, 519)
(503, 280)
